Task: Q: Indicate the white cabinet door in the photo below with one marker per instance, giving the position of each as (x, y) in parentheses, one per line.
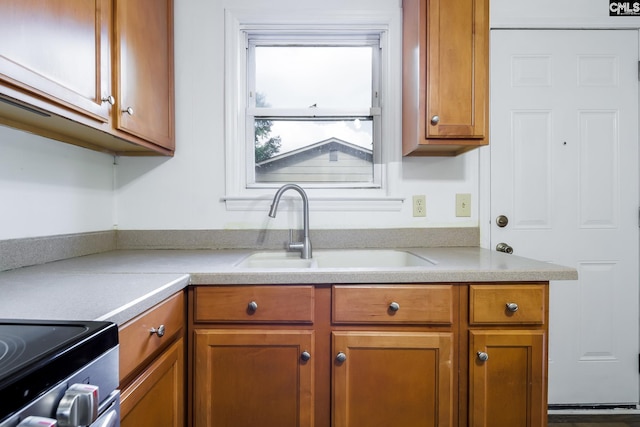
(564, 171)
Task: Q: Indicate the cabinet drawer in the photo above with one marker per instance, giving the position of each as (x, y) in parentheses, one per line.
(491, 304)
(392, 304)
(254, 304)
(137, 343)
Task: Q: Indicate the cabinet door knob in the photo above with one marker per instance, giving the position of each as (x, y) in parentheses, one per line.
(305, 356)
(129, 111)
(159, 331)
(435, 120)
(110, 99)
(252, 306)
(482, 356)
(512, 307)
(394, 306)
(341, 357)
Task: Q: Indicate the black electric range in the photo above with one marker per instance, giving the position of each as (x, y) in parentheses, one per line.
(41, 360)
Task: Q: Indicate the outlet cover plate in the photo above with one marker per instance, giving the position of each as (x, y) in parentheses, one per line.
(463, 205)
(419, 205)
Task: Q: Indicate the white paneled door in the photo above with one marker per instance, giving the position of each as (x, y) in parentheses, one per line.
(564, 172)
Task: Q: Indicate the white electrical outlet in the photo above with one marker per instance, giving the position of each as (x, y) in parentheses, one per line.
(463, 204)
(419, 205)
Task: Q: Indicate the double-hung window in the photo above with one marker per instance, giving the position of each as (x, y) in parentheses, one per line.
(312, 109)
(313, 99)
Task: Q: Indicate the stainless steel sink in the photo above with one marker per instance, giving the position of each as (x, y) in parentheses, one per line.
(336, 258)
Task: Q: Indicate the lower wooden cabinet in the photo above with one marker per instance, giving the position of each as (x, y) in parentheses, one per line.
(434, 355)
(152, 366)
(156, 397)
(392, 378)
(507, 378)
(247, 378)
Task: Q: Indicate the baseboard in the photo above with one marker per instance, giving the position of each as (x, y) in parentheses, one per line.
(593, 409)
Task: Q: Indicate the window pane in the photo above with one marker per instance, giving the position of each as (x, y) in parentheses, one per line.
(321, 76)
(314, 151)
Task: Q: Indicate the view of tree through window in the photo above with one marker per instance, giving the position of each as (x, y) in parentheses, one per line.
(267, 146)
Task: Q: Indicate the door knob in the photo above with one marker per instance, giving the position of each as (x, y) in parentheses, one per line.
(110, 99)
(305, 356)
(503, 247)
(341, 357)
(502, 221)
(435, 120)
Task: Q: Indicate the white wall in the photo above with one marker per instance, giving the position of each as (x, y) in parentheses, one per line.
(49, 188)
(185, 192)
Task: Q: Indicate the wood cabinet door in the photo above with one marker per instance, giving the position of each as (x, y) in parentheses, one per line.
(144, 70)
(457, 68)
(57, 51)
(445, 86)
(157, 396)
(247, 378)
(392, 378)
(509, 387)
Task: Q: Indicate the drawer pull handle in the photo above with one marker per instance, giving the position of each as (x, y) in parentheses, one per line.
(394, 306)
(305, 356)
(252, 307)
(482, 356)
(341, 357)
(512, 307)
(159, 332)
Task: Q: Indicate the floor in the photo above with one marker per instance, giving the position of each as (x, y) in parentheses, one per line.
(594, 420)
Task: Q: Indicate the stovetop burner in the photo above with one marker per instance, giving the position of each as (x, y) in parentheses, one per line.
(37, 354)
(22, 344)
(11, 349)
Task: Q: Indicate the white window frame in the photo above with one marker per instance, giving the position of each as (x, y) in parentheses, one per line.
(388, 24)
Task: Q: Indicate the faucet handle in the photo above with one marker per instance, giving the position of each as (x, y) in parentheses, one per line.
(295, 246)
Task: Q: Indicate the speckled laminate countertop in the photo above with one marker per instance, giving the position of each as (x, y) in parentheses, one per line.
(118, 285)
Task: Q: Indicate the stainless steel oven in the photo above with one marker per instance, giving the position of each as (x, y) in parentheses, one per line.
(59, 373)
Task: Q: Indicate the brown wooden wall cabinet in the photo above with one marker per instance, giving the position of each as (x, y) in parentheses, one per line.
(152, 367)
(441, 355)
(97, 74)
(445, 77)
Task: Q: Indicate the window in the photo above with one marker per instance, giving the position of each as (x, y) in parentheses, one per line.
(310, 94)
(312, 99)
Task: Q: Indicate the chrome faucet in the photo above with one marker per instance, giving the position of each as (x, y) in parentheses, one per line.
(305, 246)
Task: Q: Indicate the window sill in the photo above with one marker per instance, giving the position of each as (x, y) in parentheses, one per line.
(330, 204)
